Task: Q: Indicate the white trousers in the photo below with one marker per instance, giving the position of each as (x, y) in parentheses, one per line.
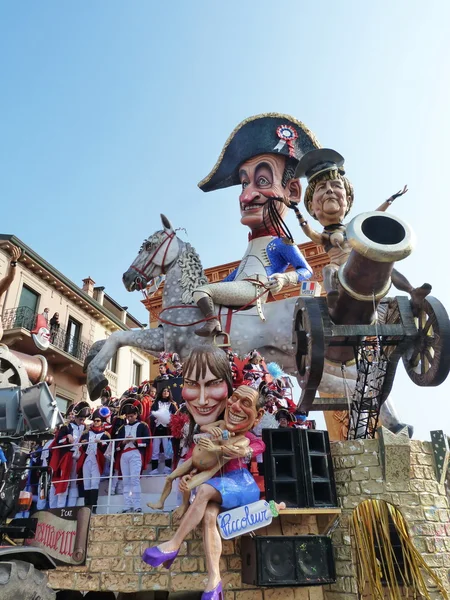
(70, 496)
(91, 473)
(131, 464)
(160, 444)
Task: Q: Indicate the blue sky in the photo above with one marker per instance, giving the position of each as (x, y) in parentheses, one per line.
(113, 111)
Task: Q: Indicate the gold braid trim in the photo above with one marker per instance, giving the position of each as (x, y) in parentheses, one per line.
(370, 526)
(249, 120)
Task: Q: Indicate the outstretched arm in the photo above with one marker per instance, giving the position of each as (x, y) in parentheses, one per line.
(9, 278)
(386, 204)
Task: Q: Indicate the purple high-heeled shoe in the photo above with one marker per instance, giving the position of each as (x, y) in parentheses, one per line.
(155, 557)
(215, 594)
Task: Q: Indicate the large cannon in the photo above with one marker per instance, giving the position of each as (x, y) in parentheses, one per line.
(356, 324)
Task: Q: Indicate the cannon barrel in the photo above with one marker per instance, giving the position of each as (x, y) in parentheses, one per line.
(378, 240)
(35, 366)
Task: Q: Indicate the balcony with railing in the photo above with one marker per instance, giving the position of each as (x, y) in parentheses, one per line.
(23, 319)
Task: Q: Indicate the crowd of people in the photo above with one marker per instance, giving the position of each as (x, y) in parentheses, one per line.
(151, 428)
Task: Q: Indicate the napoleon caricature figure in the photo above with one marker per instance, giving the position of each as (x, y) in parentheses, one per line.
(261, 156)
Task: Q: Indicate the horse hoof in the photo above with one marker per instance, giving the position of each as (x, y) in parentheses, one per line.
(95, 386)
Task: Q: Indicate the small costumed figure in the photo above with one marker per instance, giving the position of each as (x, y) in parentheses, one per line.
(93, 445)
(177, 370)
(254, 372)
(146, 394)
(133, 454)
(162, 410)
(65, 454)
(164, 373)
(285, 418)
(226, 448)
(329, 198)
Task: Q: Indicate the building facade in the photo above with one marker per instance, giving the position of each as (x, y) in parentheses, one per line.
(86, 314)
(315, 255)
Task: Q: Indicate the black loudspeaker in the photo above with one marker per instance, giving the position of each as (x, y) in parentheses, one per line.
(9, 409)
(287, 561)
(298, 469)
(39, 408)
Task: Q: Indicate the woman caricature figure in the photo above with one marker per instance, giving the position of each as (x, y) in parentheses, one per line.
(207, 377)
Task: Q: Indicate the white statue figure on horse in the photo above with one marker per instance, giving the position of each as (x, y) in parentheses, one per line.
(261, 155)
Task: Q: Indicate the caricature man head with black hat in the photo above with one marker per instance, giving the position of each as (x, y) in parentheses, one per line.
(260, 156)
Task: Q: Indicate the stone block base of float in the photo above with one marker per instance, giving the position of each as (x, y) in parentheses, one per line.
(116, 543)
(360, 471)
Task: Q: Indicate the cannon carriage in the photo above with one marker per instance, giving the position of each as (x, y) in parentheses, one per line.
(359, 327)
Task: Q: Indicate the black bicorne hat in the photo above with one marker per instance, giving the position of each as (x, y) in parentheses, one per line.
(319, 161)
(82, 409)
(270, 133)
(284, 414)
(130, 405)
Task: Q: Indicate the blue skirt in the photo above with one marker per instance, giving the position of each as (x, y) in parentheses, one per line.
(237, 488)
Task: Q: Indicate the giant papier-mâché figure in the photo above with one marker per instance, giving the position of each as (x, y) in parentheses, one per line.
(235, 485)
(261, 156)
(329, 198)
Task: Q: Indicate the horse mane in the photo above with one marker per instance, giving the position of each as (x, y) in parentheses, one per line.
(192, 274)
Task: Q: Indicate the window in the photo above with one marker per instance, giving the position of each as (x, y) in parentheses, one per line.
(112, 365)
(26, 311)
(63, 404)
(73, 336)
(137, 368)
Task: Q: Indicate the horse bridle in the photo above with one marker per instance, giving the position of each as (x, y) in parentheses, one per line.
(170, 237)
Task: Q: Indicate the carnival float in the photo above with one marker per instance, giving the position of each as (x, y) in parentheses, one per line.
(343, 348)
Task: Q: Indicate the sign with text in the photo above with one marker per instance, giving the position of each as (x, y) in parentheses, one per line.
(63, 534)
(244, 519)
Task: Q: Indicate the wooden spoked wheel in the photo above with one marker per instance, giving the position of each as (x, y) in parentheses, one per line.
(427, 361)
(309, 343)
(12, 372)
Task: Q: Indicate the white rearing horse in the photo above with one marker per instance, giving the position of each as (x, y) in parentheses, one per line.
(164, 253)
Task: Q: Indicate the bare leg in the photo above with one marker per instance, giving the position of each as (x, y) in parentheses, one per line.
(179, 512)
(181, 470)
(193, 516)
(212, 543)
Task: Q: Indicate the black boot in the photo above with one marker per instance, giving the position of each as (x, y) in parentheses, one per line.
(212, 326)
(154, 464)
(169, 463)
(88, 498)
(94, 500)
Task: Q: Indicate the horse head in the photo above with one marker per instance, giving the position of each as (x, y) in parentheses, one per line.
(156, 255)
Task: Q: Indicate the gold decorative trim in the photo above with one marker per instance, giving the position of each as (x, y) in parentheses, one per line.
(249, 120)
(362, 297)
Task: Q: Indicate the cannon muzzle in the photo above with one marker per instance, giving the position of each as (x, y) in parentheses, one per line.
(378, 240)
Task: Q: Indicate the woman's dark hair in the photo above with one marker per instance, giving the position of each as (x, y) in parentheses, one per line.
(201, 358)
(159, 395)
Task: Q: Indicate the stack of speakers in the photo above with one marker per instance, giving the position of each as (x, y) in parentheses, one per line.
(298, 471)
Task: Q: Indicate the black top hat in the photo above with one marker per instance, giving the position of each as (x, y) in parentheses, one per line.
(318, 161)
(270, 133)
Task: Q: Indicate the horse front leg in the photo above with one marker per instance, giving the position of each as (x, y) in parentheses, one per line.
(151, 341)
